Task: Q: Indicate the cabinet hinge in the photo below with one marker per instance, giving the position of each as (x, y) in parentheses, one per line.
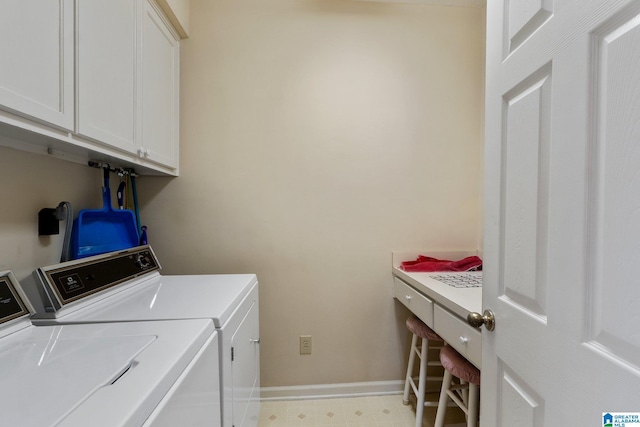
(232, 357)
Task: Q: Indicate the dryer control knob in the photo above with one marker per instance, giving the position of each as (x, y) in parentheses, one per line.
(143, 261)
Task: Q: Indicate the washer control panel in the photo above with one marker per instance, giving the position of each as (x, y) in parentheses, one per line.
(72, 281)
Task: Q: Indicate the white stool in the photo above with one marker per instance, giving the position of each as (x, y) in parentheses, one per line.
(429, 340)
(466, 394)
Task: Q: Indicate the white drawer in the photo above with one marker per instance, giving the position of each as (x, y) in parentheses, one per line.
(466, 339)
(419, 304)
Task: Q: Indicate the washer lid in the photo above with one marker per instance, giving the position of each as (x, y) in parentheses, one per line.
(58, 374)
(213, 296)
(101, 374)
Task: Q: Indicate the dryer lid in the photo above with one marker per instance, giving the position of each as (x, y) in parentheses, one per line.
(207, 296)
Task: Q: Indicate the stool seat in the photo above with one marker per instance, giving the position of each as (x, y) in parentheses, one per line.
(423, 339)
(465, 393)
(460, 367)
(418, 327)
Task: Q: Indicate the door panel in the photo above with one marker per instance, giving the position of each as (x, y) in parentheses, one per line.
(524, 19)
(525, 189)
(615, 186)
(521, 405)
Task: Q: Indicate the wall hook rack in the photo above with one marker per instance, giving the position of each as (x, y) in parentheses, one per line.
(118, 171)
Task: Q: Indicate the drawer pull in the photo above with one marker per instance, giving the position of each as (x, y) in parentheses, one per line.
(408, 297)
(464, 340)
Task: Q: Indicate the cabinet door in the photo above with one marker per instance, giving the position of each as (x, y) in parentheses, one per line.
(107, 73)
(160, 85)
(36, 47)
(246, 369)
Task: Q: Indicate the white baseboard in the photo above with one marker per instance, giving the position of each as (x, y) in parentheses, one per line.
(329, 391)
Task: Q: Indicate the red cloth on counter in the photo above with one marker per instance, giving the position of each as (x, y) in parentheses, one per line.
(425, 264)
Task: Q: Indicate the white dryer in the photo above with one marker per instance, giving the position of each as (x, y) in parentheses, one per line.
(126, 286)
(108, 375)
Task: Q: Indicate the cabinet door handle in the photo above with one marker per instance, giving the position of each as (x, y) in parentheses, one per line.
(144, 152)
(255, 340)
(464, 340)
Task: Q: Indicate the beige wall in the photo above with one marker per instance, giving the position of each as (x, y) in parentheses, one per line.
(316, 137)
(31, 182)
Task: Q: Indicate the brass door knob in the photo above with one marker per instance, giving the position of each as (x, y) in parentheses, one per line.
(487, 319)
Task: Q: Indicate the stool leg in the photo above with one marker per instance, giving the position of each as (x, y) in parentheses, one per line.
(443, 401)
(422, 384)
(465, 394)
(474, 403)
(407, 382)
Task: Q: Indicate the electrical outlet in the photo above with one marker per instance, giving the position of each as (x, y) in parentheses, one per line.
(305, 344)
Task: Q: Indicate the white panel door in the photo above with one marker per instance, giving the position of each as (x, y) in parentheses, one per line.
(107, 71)
(36, 50)
(160, 86)
(562, 212)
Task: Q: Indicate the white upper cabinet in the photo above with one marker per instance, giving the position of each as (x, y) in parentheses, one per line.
(36, 47)
(107, 74)
(177, 11)
(160, 89)
(128, 78)
(99, 82)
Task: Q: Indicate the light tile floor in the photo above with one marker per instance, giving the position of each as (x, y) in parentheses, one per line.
(371, 411)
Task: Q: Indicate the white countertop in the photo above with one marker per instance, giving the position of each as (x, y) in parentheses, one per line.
(460, 301)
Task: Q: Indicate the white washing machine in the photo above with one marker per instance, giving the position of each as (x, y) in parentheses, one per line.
(126, 286)
(109, 375)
